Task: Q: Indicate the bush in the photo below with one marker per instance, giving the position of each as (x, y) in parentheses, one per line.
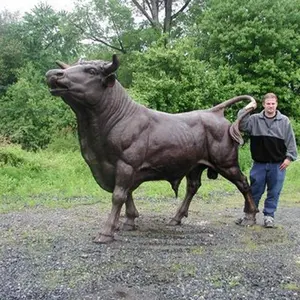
(174, 80)
(30, 115)
(64, 141)
(296, 128)
(245, 160)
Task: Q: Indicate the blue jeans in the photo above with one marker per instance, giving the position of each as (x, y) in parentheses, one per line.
(268, 175)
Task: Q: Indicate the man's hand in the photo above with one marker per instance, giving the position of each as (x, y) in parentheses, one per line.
(251, 106)
(285, 164)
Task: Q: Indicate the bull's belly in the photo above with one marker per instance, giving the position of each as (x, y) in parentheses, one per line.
(171, 171)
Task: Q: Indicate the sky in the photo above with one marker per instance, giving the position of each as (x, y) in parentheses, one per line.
(26, 5)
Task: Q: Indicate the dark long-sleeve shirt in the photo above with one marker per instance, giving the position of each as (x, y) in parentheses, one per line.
(271, 140)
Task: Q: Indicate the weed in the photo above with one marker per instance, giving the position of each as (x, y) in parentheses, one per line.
(184, 269)
(291, 286)
(197, 250)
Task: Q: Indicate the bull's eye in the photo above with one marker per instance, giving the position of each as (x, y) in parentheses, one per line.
(92, 71)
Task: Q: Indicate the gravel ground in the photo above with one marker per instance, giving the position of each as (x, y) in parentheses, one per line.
(49, 254)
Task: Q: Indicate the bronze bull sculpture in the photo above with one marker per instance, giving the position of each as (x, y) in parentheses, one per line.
(126, 144)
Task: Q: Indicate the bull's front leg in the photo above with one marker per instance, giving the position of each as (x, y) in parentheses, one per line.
(120, 195)
(107, 233)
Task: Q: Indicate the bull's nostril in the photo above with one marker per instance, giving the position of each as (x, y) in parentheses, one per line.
(52, 80)
(60, 74)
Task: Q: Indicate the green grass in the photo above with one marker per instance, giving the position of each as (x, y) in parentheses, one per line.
(46, 178)
(58, 177)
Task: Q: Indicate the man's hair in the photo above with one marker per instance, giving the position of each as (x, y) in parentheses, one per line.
(268, 96)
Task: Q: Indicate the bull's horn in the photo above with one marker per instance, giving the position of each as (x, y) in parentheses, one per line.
(62, 64)
(112, 67)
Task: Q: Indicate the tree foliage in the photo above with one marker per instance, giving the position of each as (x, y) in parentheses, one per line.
(12, 49)
(260, 39)
(46, 36)
(106, 22)
(172, 79)
(161, 14)
(175, 56)
(29, 114)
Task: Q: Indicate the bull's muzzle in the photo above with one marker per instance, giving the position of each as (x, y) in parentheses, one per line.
(54, 81)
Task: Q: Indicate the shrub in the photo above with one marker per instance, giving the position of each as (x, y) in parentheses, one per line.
(29, 114)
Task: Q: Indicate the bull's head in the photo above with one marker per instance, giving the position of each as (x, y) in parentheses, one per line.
(83, 82)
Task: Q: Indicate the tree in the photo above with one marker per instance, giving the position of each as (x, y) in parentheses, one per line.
(258, 38)
(109, 23)
(12, 49)
(172, 79)
(47, 37)
(161, 14)
(112, 24)
(29, 114)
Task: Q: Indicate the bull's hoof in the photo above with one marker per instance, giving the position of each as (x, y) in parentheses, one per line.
(246, 220)
(103, 239)
(128, 227)
(174, 222)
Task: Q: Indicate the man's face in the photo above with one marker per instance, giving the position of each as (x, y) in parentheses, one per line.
(270, 106)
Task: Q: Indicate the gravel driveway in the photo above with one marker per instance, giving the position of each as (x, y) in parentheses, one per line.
(49, 254)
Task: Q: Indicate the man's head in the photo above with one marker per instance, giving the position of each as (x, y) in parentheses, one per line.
(270, 103)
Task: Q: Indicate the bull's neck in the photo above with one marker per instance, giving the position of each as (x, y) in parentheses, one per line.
(114, 105)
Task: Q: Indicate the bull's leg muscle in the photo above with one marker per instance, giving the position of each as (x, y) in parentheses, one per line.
(193, 183)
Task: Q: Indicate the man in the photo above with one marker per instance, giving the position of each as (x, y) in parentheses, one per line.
(273, 147)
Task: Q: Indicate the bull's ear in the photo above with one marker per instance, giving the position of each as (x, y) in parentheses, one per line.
(110, 80)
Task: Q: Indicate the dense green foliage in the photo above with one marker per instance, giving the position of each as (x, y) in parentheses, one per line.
(12, 51)
(173, 79)
(214, 51)
(29, 115)
(259, 39)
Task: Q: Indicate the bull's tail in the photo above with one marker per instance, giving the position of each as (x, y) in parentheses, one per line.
(223, 105)
(234, 128)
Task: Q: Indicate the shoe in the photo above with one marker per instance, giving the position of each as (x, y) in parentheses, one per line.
(246, 220)
(269, 222)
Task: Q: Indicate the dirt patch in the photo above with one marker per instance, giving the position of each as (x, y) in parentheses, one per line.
(49, 254)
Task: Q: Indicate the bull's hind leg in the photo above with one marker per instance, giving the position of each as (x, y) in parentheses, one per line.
(131, 213)
(235, 175)
(192, 185)
(120, 195)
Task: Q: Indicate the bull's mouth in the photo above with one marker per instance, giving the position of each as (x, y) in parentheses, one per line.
(57, 87)
(58, 91)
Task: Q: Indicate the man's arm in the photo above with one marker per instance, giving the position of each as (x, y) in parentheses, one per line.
(290, 143)
(245, 123)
